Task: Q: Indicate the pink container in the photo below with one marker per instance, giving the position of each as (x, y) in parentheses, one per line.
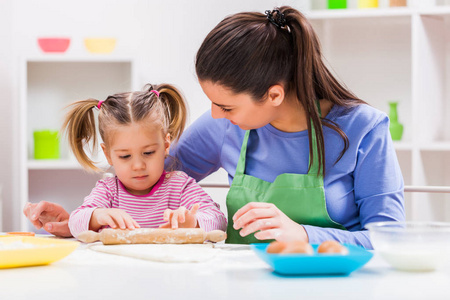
(54, 44)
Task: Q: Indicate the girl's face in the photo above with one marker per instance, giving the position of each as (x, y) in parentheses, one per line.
(240, 109)
(137, 153)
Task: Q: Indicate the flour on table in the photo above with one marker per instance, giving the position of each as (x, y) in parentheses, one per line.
(161, 252)
(16, 245)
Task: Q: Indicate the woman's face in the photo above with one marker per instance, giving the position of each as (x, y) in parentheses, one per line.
(240, 109)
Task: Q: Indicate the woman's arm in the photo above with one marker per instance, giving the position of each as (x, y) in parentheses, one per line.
(378, 188)
(51, 216)
(198, 151)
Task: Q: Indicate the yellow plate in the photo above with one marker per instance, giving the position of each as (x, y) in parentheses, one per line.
(21, 251)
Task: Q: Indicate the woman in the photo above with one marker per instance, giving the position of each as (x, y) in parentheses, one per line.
(307, 160)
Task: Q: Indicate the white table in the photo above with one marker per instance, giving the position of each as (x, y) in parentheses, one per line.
(238, 274)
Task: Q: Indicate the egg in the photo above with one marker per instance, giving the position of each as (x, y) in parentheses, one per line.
(276, 247)
(298, 247)
(332, 247)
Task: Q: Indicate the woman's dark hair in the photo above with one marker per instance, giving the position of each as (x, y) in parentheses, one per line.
(249, 53)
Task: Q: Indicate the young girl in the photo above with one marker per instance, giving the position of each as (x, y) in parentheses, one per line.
(137, 129)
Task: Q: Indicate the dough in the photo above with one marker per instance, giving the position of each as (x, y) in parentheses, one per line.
(161, 252)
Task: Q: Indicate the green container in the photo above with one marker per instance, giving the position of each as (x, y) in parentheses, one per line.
(395, 128)
(46, 144)
(337, 4)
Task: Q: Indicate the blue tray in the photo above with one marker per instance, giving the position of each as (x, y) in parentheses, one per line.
(316, 264)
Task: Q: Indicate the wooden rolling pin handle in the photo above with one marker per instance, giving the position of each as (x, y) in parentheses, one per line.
(216, 236)
(89, 236)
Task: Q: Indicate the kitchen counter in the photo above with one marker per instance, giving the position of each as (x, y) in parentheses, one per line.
(235, 274)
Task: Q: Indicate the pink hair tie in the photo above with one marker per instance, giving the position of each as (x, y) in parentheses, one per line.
(156, 92)
(100, 103)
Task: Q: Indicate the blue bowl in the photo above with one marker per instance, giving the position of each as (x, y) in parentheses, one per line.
(316, 264)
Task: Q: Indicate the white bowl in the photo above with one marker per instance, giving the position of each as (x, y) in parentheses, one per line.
(412, 246)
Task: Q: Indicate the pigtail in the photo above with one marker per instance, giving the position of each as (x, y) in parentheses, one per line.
(176, 107)
(79, 126)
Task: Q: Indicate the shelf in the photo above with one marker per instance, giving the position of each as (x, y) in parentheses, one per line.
(53, 164)
(436, 11)
(403, 146)
(48, 84)
(359, 13)
(69, 58)
(436, 146)
(377, 12)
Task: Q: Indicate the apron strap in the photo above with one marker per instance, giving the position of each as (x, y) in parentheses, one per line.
(240, 168)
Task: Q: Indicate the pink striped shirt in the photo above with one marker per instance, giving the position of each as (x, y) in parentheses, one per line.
(173, 190)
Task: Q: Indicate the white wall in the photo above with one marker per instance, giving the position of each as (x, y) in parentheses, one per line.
(163, 36)
(6, 100)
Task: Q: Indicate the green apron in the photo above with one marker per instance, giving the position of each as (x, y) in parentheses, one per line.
(300, 196)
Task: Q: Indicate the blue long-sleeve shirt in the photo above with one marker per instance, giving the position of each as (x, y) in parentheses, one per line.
(365, 185)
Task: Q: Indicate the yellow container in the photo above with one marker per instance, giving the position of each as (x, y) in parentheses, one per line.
(367, 3)
(100, 45)
(22, 251)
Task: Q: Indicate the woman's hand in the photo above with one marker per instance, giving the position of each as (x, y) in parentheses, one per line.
(181, 217)
(53, 217)
(112, 217)
(271, 223)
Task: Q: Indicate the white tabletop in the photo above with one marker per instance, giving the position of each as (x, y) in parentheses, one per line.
(238, 274)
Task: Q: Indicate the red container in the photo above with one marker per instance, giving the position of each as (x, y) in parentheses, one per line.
(54, 44)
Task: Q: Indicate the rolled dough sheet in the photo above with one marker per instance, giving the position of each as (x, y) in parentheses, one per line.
(172, 253)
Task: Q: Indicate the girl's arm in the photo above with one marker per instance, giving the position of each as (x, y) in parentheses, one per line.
(209, 215)
(100, 197)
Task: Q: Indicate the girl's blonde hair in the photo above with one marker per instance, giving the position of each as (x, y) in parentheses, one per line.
(169, 109)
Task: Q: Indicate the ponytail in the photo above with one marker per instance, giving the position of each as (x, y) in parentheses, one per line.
(176, 109)
(79, 125)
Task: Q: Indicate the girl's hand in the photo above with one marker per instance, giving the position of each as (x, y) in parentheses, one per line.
(181, 217)
(112, 217)
(271, 222)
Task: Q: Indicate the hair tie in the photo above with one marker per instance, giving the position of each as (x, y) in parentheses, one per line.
(279, 20)
(100, 103)
(156, 92)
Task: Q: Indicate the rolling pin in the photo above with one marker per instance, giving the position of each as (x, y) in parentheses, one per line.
(111, 236)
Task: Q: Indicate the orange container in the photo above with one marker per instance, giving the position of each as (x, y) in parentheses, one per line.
(21, 233)
(397, 3)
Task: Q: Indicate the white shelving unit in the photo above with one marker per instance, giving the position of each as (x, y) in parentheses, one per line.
(48, 84)
(400, 54)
